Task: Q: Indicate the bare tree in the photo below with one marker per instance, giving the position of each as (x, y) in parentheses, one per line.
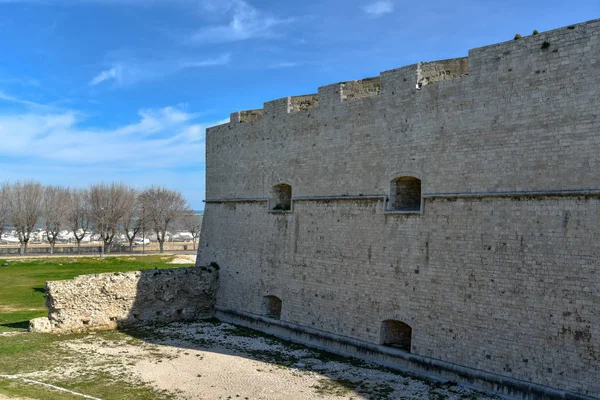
(108, 205)
(25, 209)
(132, 219)
(4, 207)
(55, 211)
(161, 208)
(193, 224)
(78, 215)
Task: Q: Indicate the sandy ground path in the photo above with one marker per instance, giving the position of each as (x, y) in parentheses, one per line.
(184, 259)
(213, 360)
(221, 375)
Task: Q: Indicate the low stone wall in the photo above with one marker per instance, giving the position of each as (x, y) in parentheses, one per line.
(105, 301)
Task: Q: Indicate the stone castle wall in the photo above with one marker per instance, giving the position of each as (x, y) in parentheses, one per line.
(111, 300)
(498, 271)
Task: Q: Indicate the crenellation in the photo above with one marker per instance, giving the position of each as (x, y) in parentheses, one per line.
(250, 115)
(354, 90)
(277, 108)
(234, 117)
(443, 70)
(304, 103)
(330, 95)
(509, 61)
(399, 82)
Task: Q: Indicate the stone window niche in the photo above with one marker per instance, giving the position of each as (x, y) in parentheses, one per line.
(396, 334)
(405, 195)
(271, 307)
(280, 198)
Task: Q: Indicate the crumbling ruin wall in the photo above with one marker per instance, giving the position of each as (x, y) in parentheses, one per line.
(111, 300)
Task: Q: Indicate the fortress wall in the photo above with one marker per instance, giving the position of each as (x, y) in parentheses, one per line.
(493, 130)
(503, 284)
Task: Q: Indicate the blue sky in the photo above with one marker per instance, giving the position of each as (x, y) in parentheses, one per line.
(102, 90)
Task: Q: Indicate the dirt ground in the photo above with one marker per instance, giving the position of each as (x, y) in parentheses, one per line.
(184, 259)
(214, 360)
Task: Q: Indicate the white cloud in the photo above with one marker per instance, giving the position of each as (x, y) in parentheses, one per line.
(246, 23)
(104, 76)
(125, 73)
(379, 8)
(143, 3)
(168, 137)
(221, 60)
(4, 97)
(284, 64)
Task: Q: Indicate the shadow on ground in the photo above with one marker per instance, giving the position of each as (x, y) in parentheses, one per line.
(324, 374)
(21, 325)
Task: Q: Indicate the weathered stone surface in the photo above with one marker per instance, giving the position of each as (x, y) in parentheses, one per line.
(499, 272)
(40, 325)
(105, 301)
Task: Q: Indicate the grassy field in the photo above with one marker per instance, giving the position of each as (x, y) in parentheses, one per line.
(138, 364)
(22, 282)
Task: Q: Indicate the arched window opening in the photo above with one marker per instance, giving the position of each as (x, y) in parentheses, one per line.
(271, 307)
(281, 197)
(405, 194)
(396, 334)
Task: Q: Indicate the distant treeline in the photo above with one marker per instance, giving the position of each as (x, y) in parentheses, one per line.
(104, 209)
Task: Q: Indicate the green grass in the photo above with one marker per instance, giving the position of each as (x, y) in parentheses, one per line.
(22, 283)
(20, 389)
(34, 352)
(22, 297)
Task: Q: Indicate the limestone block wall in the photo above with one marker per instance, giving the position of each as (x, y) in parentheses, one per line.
(498, 271)
(524, 118)
(506, 285)
(104, 301)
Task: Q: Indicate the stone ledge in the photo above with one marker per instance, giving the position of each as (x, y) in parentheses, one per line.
(503, 386)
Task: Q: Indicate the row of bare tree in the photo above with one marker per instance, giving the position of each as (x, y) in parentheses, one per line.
(104, 209)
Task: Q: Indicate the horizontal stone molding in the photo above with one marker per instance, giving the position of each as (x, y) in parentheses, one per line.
(539, 193)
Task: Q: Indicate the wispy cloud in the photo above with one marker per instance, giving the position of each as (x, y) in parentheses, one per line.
(126, 73)
(284, 64)
(168, 137)
(247, 22)
(221, 60)
(5, 97)
(142, 3)
(105, 76)
(379, 8)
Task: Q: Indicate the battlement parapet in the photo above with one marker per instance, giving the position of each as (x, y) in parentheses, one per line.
(496, 63)
(303, 103)
(408, 78)
(433, 72)
(246, 116)
(354, 90)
